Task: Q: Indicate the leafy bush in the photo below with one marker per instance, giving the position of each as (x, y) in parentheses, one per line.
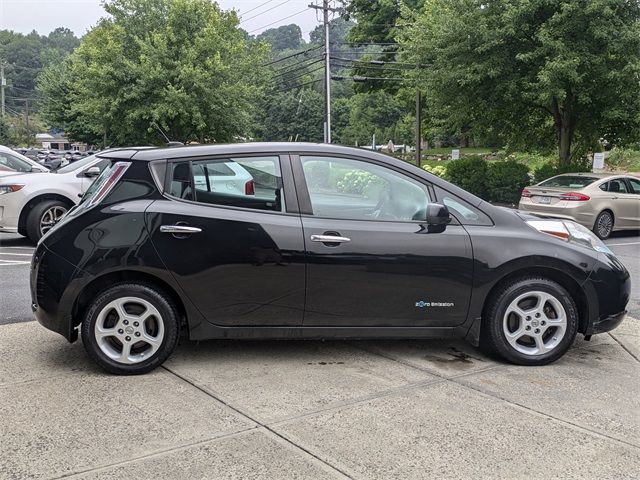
(551, 169)
(624, 159)
(437, 170)
(357, 182)
(505, 181)
(470, 174)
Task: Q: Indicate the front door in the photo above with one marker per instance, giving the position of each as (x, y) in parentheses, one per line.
(371, 260)
(229, 240)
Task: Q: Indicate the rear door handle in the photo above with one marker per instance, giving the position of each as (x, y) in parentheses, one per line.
(179, 229)
(329, 239)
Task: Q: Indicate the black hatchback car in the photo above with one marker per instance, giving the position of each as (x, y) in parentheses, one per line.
(288, 240)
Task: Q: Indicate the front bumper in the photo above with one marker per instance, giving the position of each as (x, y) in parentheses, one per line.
(608, 323)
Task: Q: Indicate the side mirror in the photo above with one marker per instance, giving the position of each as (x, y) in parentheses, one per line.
(92, 172)
(37, 170)
(438, 215)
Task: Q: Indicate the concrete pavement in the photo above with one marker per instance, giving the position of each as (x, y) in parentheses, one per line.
(376, 409)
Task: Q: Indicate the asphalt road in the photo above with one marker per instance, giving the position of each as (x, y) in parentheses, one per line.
(16, 251)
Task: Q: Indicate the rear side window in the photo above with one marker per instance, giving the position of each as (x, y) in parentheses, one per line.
(617, 186)
(102, 185)
(569, 181)
(254, 182)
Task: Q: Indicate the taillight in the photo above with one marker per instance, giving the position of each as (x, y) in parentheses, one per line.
(114, 175)
(525, 193)
(250, 188)
(574, 197)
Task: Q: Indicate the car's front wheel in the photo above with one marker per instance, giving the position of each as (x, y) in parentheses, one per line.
(43, 217)
(532, 321)
(130, 329)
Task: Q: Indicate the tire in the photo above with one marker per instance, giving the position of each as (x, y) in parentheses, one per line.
(120, 313)
(51, 208)
(603, 225)
(537, 335)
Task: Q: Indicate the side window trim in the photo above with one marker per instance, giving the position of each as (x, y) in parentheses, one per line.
(290, 200)
(630, 188)
(304, 197)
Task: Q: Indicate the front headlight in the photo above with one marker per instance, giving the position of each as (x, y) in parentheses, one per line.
(570, 232)
(9, 188)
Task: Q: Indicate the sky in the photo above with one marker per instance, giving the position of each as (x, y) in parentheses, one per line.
(80, 15)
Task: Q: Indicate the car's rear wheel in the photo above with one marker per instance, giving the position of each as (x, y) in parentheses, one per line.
(43, 217)
(531, 321)
(130, 329)
(603, 225)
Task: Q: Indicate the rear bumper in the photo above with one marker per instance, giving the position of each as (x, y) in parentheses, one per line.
(578, 212)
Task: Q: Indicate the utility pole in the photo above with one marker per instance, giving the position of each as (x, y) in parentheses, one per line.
(418, 128)
(3, 82)
(327, 67)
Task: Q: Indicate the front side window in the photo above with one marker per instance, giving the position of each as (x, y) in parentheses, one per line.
(463, 211)
(254, 182)
(356, 190)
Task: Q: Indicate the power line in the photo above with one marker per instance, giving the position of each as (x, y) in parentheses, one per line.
(373, 67)
(369, 43)
(278, 21)
(286, 67)
(292, 55)
(299, 68)
(305, 74)
(257, 7)
(358, 78)
(262, 13)
(298, 86)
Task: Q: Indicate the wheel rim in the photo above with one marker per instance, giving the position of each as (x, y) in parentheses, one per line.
(50, 217)
(129, 330)
(534, 323)
(605, 223)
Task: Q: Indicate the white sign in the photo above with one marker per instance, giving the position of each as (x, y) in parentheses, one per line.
(455, 154)
(598, 161)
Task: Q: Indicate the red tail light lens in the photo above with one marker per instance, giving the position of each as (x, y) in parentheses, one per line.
(526, 193)
(250, 188)
(574, 197)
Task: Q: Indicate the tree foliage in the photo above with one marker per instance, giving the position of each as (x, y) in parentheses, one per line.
(182, 64)
(534, 72)
(285, 37)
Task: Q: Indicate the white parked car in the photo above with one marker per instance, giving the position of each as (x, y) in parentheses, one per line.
(30, 204)
(12, 162)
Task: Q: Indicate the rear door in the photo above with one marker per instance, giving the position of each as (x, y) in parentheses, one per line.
(371, 261)
(232, 238)
(629, 202)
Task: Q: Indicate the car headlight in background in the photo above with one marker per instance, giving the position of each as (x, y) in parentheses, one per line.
(9, 188)
(570, 232)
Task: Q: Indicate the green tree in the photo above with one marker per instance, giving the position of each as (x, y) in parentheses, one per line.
(183, 64)
(285, 37)
(534, 72)
(291, 115)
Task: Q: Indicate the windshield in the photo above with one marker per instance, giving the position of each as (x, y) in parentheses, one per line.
(568, 181)
(72, 167)
(11, 163)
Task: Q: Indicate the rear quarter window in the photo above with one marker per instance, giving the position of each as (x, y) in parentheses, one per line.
(568, 181)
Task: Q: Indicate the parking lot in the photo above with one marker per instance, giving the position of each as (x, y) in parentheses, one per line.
(294, 409)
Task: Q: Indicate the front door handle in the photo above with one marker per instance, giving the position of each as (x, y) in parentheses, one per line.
(329, 239)
(179, 229)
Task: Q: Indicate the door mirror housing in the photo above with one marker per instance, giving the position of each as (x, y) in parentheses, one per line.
(438, 215)
(92, 172)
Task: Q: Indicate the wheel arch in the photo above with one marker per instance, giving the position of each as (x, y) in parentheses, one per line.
(562, 278)
(24, 213)
(90, 291)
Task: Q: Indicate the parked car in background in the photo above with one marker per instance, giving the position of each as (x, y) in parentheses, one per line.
(31, 204)
(602, 202)
(12, 162)
(330, 242)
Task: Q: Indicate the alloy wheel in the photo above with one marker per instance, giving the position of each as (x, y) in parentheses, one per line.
(50, 217)
(534, 323)
(129, 330)
(605, 224)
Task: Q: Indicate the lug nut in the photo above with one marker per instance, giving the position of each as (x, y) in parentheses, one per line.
(135, 324)
(528, 327)
(528, 318)
(137, 334)
(128, 339)
(126, 322)
(537, 315)
(120, 330)
(537, 330)
(543, 323)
